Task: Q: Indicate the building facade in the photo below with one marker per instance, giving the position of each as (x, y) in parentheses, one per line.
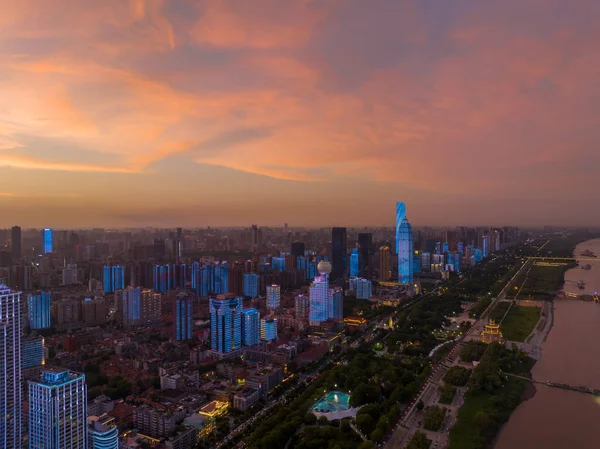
(250, 327)
(268, 329)
(404, 246)
(339, 252)
(38, 310)
(58, 410)
(225, 324)
(251, 285)
(183, 316)
(385, 273)
(103, 432)
(273, 296)
(46, 241)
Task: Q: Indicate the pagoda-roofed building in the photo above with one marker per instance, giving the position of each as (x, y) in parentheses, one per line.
(491, 333)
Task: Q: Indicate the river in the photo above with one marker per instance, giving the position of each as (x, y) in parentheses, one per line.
(559, 419)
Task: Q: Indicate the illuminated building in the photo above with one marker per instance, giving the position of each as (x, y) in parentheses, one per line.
(221, 278)
(278, 263)
(438, 248)
(113, 278)
(225, 324)
(416, 261)
(339, 256)
(46, 241)
(273, 296)
(354, 262)
(58, 410)
(478, 253)
(141, 307)
(485, 245)
(363, 289)
(38, 310)
(404, 245)
(32, 352)
(103, 433)
(425, 261)
(311, 270)
(69, 274)
(460, 247)
(384, 264)
(214, 410)
(268, 329)
(301, 307)
(251, 285)
(365, 244)
(319, 295)
(183, 314)
(445, 247)
(457, 262)
(495, 240)
(10, 368)
(491, 333)
(250, 327)
(336, 303)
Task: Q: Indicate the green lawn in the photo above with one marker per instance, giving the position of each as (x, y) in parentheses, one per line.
(519, 322)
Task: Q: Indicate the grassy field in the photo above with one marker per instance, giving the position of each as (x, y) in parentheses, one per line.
(499, 310)
(519, 322)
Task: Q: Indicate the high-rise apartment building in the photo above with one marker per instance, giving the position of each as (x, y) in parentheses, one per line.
(268, 329)
(103, 432)
(16, 243)
(250, 327)
(11, 399)
(325, 302)
(278, 263)
(38, 310)
(251, 285)
(485, 245)
(225, 324)
(301, 307)
(365, 244)
(273, 296)
(113, 278)
(141, 307)
(339, 255)
(298, 249)
(46, 241)
(363, 289)
(32, 357)
(183, 316)
(385, 272)
(58, 410)
(69, 274)
(404, 245)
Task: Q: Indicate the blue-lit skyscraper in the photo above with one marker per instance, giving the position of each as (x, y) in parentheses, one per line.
(221, 278)
(250, 327)
(251, 285)
(183, 316)
(278, 263)
(103, 433)
(311, 270)
(58, 411)
(225, 324)
(113, 278)
(46, 241)
(354, 262)
(416, 263)
(32, 352)
(445, 247)
(162, 278)
(38, 310)
(478, 253)
(336, 304)
(364, 289)
(485, 245)
(268, 329)
(324, 302)
(404, 245)
(273, 296)
(132, 306)
(11, 398)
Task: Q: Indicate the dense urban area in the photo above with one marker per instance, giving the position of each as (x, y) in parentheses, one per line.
(273, 338)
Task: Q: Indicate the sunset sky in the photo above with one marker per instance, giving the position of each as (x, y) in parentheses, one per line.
(311, 112)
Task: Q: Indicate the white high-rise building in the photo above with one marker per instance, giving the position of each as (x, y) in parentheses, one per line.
(11, 397)
(273, 296)
(324, 302)
(58, 410)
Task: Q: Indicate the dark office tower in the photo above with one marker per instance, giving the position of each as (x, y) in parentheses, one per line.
(255, 237)
(236, 279)
(298, 249)
(16, 242)
(183, 316)
(339, 256)
(159, 249)
(365, 251)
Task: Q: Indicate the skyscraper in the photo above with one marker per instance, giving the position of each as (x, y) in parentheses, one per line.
(325, 302)
(251, 285)
(38, 310)
(113, 278)
(58, 410)
(46, 241)
(354, 262)
(225, 324)
(301, 307)
(273, 296)
(16, 243)
(384, 264)
(365, 244)
(339, 255)
(183, 316)
(485, 245)
(404, 246)
(103, 433)
(141, 307)
(221, 278)
(250, 327)
(268, 329)
(11, 398)
(298, 249)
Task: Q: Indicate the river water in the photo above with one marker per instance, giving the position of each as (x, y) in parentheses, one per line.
(559, 419)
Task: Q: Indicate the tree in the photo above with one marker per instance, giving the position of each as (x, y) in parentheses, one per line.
(377, 435)
(365, 423)
(457, 376)
(418, 441)
(434, 417)
(447, 393)
(364, 394)
(310, 419)
(323, 421)
(420, 405)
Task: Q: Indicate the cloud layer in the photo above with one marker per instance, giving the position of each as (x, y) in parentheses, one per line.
(303, 111)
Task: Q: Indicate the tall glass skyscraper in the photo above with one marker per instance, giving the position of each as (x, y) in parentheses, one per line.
(183, 314)
(250, 327)
(114, 278)
(11, 398)
(354, 261)
(58, 411)
(46, 241)
(38, 310)
(278, 263)
(404, 245)
(251, 285)
(103, 433)
(221, 278)
(273, 296)
(225, 324)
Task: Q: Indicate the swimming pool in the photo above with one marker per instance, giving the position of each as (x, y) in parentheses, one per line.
(333, 401)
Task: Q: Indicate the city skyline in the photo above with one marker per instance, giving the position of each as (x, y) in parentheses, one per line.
(202, 113)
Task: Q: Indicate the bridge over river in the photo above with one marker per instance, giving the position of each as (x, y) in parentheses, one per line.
(580, 388)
